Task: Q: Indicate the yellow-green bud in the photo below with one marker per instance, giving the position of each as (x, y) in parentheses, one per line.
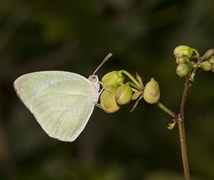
(107, 100)
(211, 60)
(182, 70)
(151, 92)
(181, 60)
(183, 50)
(206, 66)
(194, 65)
(123, 94)
(112, 78)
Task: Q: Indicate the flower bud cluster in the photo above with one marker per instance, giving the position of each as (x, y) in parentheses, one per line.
(117, 93)
(188, 59)
(184, 55)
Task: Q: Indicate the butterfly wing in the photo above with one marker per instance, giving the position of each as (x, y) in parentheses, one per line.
(62, 102)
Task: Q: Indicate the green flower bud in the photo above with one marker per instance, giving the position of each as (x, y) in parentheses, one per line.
(151, 92)
(211, 60)
(206, 66)
(194, 65)
(183, 50)
(107, 100)
(181, 60)
(123, 94)
(112, 78)
(182, 70)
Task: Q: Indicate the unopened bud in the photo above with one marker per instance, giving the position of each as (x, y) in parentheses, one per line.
(183, 50)
(112, 78)
(107, 100)
(206, 66)
(123, 94)
(182, 70)
(151, 92)
(211, 60)
(181, 60)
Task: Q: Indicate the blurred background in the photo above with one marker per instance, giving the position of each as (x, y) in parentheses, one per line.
(75, 36)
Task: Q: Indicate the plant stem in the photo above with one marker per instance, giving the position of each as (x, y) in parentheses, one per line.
(180, 120)
(182, 134)
(184, 149)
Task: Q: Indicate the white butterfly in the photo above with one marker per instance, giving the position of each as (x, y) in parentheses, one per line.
(62, 102)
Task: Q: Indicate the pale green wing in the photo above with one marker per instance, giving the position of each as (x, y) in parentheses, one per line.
(62, 102)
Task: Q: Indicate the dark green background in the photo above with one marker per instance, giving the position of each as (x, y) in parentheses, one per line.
(75, 36)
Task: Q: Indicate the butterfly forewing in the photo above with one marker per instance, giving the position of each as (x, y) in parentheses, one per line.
(62, 102)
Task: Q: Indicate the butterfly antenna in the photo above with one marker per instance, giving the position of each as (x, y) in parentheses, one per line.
(103, 62)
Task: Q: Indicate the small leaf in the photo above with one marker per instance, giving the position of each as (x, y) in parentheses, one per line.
(136, 103)
(139, 79)
(136, 95)
(171, 125)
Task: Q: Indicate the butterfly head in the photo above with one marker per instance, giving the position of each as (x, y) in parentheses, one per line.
(95, 81)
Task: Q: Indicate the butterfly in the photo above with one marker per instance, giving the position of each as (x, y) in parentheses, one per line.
(62, 102)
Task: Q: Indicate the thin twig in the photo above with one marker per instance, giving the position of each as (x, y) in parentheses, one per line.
(185, 161)
(167, 110)
(182, 134)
